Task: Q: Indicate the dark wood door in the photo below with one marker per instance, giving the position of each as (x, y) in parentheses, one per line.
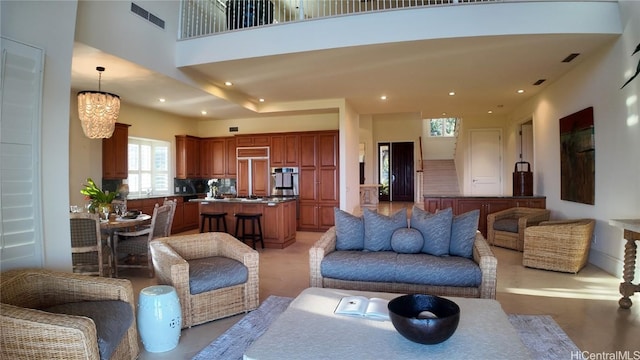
(402, 184)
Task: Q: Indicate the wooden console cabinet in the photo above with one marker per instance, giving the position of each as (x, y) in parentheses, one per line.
(486, 204)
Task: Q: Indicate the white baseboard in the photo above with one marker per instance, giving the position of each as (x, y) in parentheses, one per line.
(610, 264)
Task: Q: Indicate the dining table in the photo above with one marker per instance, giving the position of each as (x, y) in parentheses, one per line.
(109, 227)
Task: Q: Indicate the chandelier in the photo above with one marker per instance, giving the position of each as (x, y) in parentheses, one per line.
(98, 111)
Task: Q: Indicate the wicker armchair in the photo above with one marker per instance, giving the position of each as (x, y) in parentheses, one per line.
(29, 333)
(506, 228)
(558, 245)
(170, 258)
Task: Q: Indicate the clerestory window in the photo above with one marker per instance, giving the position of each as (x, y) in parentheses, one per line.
(443, 127)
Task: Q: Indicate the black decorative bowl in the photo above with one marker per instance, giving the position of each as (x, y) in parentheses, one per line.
(425, 319)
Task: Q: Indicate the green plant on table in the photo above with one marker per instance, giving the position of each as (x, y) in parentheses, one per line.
(97, 197)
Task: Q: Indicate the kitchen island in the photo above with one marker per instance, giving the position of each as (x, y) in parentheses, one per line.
(278, 216)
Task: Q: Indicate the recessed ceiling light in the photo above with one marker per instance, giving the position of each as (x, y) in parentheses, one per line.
(162, 100)
(261, 100)
(451, 93)
(228, 83)
(383, 97)
(520, 91)
(444, 113)
(203, 112)
(490, 112)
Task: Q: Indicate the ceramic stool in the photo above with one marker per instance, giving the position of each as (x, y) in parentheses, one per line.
(159, 318)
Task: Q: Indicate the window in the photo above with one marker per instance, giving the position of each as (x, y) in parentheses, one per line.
(445, 127)
(148, 166)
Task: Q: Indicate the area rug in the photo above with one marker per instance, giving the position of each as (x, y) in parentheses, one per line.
(539, 333)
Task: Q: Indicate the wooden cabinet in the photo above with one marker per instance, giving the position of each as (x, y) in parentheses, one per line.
(318, 180)
(190, 215)
(115, 164)
(242, 178)
(213, 157)
(230, 161)
(487, 205)
(252, 177)
(187, 157)
(252, 140)
(284, 150)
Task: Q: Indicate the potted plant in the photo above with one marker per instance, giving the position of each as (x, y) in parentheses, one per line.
(99, 199)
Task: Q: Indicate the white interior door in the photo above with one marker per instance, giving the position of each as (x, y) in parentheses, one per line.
(486, 162)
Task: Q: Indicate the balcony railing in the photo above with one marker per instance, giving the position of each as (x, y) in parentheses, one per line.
(207, 17)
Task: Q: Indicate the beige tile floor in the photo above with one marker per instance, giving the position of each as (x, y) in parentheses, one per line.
(584, 305)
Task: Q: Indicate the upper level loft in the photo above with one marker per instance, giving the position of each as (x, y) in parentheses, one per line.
(207, 17)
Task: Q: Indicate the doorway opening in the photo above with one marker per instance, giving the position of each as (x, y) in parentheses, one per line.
(396, 171)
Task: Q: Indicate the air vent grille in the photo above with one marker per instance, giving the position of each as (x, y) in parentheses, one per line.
(570, 57)
(136, 9)
(539, 82)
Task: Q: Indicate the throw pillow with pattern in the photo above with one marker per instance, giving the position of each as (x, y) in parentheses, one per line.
(463, 233)
(435, 229)
(349, 231)
(378, 229)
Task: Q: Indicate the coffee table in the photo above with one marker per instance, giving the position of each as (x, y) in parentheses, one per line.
(309, 329)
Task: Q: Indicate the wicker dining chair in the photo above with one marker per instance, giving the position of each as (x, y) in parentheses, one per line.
(558, 245)
(90, 254)
(131, 248)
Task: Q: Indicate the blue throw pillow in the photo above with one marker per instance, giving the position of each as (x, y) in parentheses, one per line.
(407, 241)
(378, 229)
(435, 229)
(349, 231)
(463, 233)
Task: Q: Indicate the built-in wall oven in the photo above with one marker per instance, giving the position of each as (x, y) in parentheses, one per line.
(284, 183)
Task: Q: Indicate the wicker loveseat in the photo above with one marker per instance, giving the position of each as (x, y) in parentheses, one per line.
(27, 331)
(385, 266)
(174, 256)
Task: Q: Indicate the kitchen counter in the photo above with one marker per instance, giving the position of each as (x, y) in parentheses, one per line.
(267, 201)
(278, 219)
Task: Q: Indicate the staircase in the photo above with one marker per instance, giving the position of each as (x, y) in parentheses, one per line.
(440, 178)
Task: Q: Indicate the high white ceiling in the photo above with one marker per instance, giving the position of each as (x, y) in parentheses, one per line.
(484, 72)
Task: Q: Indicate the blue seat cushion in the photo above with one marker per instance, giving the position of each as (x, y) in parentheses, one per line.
(437, 270)
(111, 317)
(508, 225)
(349, 231)
(215, 272)
(359, 265)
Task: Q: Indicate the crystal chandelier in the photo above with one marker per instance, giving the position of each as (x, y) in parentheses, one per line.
(98, 111)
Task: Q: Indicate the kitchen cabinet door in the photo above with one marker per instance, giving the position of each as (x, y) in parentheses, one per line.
(115, 158)
(284, 150)
(308, 150)
(218, 158)
(260, 177)
(230, 161)
(191, 217)
(187, 157)
(242, 178)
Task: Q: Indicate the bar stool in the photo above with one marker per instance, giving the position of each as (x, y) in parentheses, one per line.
(253, 235)
(218, 216)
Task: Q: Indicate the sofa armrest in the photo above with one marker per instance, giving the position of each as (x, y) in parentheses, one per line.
(488, 263)
(171, 269)
(322, 247)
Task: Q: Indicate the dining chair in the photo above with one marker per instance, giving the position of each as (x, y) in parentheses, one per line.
(131, 248)
(89, 253)
(174, 204)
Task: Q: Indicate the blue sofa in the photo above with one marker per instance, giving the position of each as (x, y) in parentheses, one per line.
(437, 254)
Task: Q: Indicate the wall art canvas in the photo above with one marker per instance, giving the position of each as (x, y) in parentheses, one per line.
(577, 157)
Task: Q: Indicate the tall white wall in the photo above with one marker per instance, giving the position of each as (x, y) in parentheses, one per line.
(595, 83)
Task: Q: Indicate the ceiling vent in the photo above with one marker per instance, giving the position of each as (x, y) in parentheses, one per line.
(147, 15)
(570, 57)
(539, 82)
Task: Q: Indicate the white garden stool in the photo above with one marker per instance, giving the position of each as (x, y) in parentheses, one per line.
(159, 318)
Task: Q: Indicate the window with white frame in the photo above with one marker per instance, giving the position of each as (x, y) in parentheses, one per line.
(443, 127)
(148, 166)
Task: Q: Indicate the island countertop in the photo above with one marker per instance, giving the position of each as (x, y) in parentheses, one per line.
(278, 220)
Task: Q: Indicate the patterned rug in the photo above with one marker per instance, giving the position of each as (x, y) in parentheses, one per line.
(539, 333)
